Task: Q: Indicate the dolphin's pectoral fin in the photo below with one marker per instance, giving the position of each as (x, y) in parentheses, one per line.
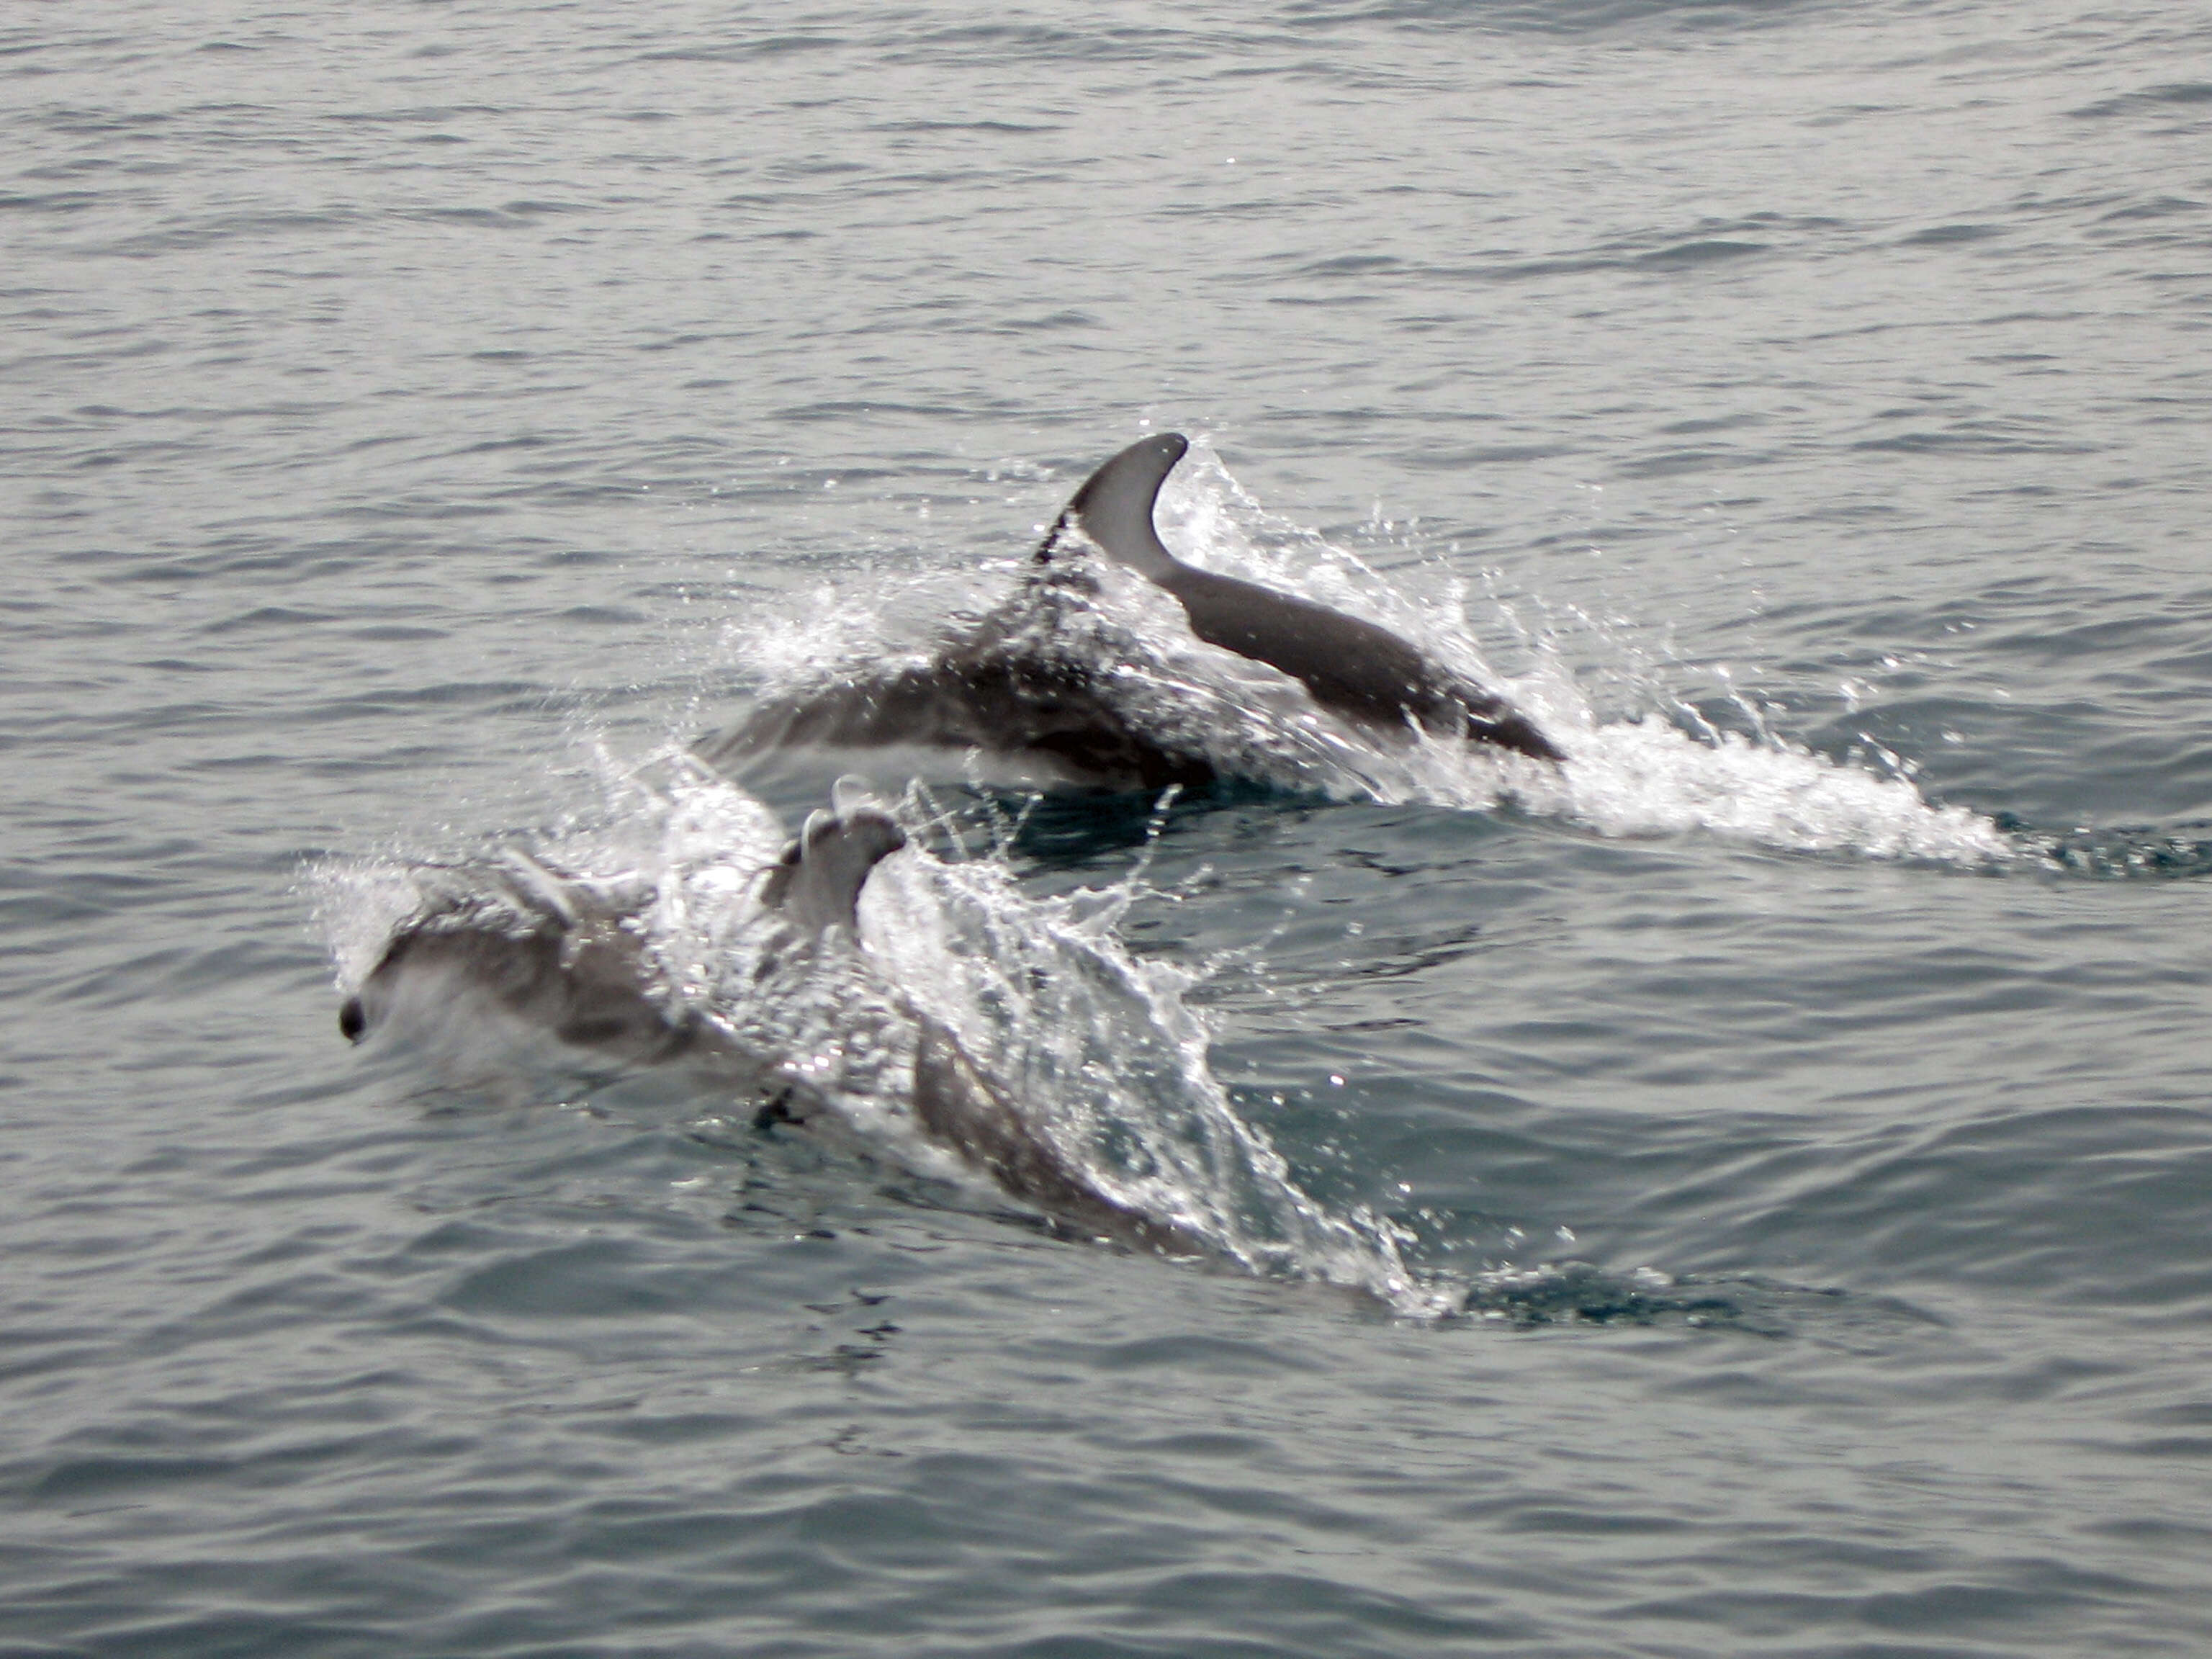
(1115, 507)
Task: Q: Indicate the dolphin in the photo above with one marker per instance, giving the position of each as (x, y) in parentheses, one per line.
(520, 939)
(565, 954)
(1349, 664)
(1012, 684)
(956, 1104)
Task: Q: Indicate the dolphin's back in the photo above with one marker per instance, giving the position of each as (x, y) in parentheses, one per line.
(1347, 664)
(1010, 685)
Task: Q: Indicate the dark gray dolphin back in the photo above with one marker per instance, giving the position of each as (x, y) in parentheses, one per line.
(1346, 663)
(1115, 507)
(817, 883)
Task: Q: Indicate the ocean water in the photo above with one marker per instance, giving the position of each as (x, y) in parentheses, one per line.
(1747, 1191)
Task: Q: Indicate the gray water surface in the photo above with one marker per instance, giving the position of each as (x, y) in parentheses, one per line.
(416, 416)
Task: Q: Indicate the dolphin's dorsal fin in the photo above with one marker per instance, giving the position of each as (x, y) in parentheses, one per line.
(1115, 507)
(816, 884)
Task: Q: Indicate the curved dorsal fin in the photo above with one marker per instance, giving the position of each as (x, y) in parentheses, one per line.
(817, 881)
(1115, 507)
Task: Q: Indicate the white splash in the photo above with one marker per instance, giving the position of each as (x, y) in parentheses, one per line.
(1636, 773)
(1111, 1063)
(1103, 1057)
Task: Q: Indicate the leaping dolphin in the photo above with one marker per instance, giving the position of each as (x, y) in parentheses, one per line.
(1012, 684)
(544, 949)
(1349, 664)
(563, 954)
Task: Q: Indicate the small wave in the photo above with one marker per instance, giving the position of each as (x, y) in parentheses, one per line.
(1559, 17)
(1578, 1293)
(1647, 777)
(2165, 95)
(1638, 773)
(2179, 853)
